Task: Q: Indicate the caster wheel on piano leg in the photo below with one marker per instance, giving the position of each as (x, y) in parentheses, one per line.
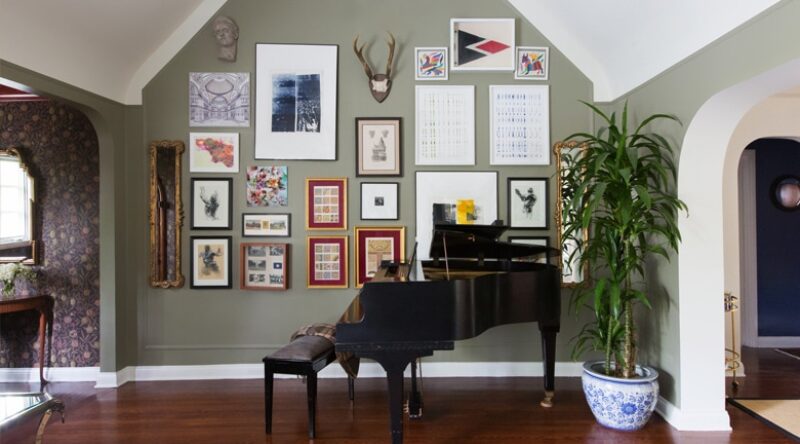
(547, 402)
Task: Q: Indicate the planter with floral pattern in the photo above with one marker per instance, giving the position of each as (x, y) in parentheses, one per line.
(619, 403)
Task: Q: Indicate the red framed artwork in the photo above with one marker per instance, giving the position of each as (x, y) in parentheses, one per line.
(374, 245)
(326, 265)
(326, 203)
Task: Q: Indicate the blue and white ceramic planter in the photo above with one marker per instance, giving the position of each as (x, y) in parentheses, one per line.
(618, 403)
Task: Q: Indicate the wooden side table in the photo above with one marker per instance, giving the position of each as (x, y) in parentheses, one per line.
(44, 305)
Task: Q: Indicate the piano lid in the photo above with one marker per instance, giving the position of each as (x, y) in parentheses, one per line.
(480, 242)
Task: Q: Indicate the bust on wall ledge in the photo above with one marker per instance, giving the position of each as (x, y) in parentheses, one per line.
(226, 31)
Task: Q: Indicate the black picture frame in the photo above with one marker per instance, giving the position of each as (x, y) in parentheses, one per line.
(288, 224)
(229, 204)
(398, 122)
(396, 200)
(228, 261)
(515, 200)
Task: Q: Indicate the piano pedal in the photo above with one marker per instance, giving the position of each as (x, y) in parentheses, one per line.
(414, 412)
(547, 402)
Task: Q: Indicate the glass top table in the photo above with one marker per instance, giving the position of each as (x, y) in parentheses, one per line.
(15, 408)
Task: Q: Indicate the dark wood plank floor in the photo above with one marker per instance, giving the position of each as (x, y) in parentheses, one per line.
(457, 410)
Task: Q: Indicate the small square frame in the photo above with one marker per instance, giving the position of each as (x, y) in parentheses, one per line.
(522, 72)
(247, 262)
(432, 69)
(390, 208)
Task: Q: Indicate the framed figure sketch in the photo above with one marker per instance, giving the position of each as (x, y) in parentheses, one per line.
(210, 261)
(528, 203)
(211, 203)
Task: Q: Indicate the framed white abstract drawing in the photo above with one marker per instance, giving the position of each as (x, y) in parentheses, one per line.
(520, 125)
(445, 125)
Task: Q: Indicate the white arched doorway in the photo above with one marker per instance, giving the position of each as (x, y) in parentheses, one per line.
(708, 161)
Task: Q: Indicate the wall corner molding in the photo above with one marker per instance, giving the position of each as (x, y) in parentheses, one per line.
(694, 420)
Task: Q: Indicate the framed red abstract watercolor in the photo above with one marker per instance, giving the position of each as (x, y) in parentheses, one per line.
(326, 203)
(327, 262)
(374, 245)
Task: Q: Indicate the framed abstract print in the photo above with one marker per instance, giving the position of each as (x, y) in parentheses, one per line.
(219, 99)
(326, 262)
(267, 186)
(210, 261)
(296, 101)
(213, 152)
(266, 225)
(444, 125)
(326, 203)
(482, 44)
(528, 203)
(380, 200)
(378, 149)
(264, 266)
(533, 63)
(431, 63)
(374, 245)
(519, 125)
(212, 203)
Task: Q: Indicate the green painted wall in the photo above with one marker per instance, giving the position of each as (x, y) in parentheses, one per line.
(210, 326)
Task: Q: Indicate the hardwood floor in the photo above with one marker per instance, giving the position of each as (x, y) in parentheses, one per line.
(457, 410)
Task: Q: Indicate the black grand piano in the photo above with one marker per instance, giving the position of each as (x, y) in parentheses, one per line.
(473, 282)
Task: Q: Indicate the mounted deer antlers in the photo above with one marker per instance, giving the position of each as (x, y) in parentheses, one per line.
(379, 84)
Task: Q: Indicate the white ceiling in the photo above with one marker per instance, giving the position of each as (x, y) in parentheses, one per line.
(114, 47)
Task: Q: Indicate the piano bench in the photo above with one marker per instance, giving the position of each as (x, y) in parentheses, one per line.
(304, 356)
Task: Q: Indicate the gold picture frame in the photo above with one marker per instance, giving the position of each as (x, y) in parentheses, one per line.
(571, 276)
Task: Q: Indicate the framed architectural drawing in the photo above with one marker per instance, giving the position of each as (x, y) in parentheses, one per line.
(212, 203)
(446, 196)
(519, 125)
(326, 203)
(431, 63)
(264, 266)
(296, 101)
(482, 44)
(327, 262)
(379, 201)
(533, 63)
(571, 246)
(210, 261)
(445, 125)
(374, 245)
(267, 186)
(378, 149)
(213, 152)
(266, 225)
(528, 203)
(219, 99)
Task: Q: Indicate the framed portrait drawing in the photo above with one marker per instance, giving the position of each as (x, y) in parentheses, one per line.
(452, 197)
(431, 63)
(326, 203)
(528, 203)
(570, 244)
(214, 152)
(380, 201)
(533, 63)
(266, 225)
(212, 203)
(267, 186)
(296, 101)
(378, 149)
(519, 125)
(374, 245)
(482, 44)
(327, 262)
(210, 260)
(264, 266)
(219, 99)
(445, 125)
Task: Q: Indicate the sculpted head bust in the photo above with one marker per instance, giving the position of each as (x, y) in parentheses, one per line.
(226, 31)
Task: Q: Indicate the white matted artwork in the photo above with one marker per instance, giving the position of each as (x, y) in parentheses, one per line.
(379, 201)
(214, 152)
(439, 187)
(431, 63)
(519, 125)
(219, 99)
(482, 44)
(445, 125)
(533, 63)
(296, 101)
(528, 203)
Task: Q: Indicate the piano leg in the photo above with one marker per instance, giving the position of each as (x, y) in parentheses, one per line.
(414, 397)
(395, 364)
(549, 353)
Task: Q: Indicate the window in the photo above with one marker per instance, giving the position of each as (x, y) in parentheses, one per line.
(15, 207)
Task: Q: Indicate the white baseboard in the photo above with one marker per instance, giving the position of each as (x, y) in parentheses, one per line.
(695, 420)
(61, 374)
(778, 341)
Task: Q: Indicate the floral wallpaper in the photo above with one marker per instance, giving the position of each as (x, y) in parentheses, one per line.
(61, 146)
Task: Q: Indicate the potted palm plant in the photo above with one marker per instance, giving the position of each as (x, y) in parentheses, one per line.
(622, 193)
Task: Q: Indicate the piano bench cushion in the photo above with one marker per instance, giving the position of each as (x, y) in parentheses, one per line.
(303, 349)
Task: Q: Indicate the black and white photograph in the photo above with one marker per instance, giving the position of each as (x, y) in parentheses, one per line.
(220, 99)
(211, 204)
(210, 261)
(263, 266)
(527, 203)
(379, 201)
(296, 101)
(378, 150)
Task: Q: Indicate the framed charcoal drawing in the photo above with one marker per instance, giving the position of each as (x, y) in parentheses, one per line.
(533, 63)
(445, 125)
(266, 225)
(213, 152)
(219, 99)
(326, 203)
(212, 203)
(378, 149)
(482, 44)
(528, 203)
(326, 262)
(380, 200)
(519, 125)
(267, 186)
(374, 245)
(210, 261)
(431, 63)
(571, 246)
(264, 266)
(296, 101)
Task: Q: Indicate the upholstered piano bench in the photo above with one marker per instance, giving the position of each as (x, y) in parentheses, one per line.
(305, 355)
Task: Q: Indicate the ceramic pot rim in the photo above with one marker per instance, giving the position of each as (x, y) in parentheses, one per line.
(644, 373)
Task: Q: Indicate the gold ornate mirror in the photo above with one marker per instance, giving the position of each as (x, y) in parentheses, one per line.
(571, 273)
(166, 213)
(18, 227)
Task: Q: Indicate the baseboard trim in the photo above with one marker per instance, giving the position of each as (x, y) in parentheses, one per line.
(778, 341)
(60, 374)
(695, 420)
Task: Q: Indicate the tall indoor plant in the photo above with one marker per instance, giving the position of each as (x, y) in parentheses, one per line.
(622, 192)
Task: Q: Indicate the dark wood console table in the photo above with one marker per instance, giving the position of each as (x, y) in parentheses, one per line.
(42, 304)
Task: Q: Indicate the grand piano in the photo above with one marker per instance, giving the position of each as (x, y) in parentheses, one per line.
(473, 282)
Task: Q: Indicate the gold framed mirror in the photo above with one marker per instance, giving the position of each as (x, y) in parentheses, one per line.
(18, 225)
(572, 275)
(166, 213)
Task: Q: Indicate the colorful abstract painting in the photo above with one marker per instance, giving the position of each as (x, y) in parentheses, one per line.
(431, 63)
(267, 186)
(532, 63)
(214, 152)
(482, 44)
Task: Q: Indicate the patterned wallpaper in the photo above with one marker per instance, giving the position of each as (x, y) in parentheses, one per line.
(61, 145)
